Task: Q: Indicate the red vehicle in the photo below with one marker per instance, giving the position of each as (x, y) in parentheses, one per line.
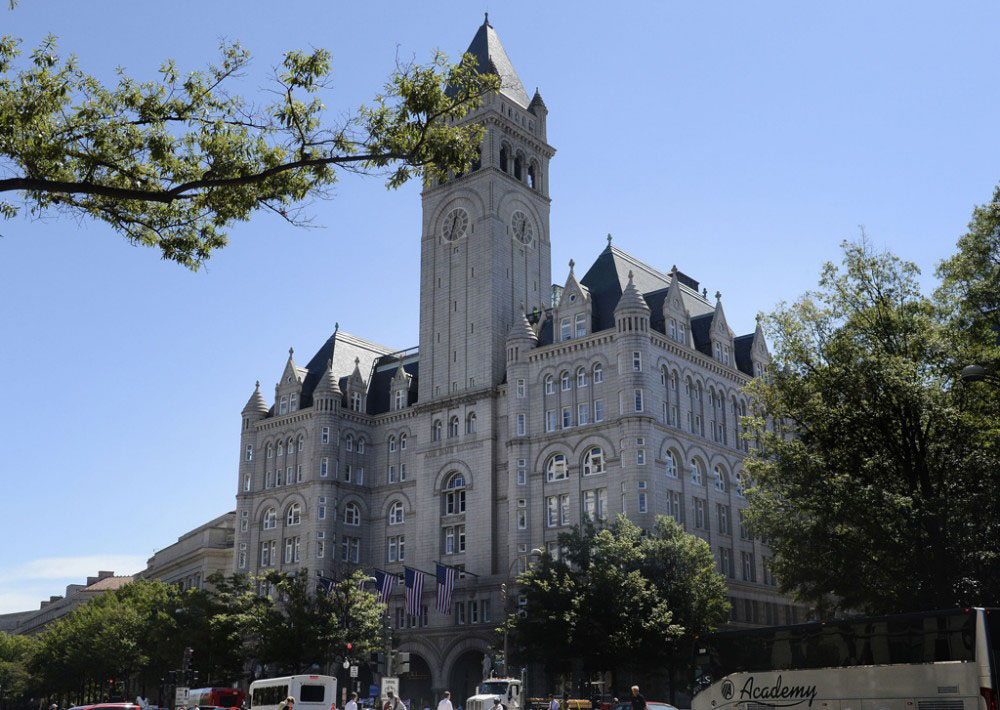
(216, 697)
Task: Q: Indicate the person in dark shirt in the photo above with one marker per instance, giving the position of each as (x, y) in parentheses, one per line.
(638, 702)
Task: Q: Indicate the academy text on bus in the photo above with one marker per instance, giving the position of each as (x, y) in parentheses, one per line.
(942, 660)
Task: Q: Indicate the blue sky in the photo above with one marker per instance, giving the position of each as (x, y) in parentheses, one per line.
(741, 141)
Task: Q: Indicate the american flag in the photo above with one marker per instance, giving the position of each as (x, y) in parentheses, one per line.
(414, 590)
(384, 583)
(445, 586)
(324, 585)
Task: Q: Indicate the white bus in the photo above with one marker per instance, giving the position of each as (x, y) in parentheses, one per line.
(944, 660)
(311, 692)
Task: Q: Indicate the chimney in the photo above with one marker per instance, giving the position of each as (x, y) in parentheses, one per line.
(104, 574)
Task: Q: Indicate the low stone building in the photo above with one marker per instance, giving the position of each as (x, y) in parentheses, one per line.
(196, 555)
(56, 607)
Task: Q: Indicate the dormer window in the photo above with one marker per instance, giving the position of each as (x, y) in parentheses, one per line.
(293, 402)
(355, 401)
(283, 404)
(581, 324)
(400, 401)
(564, 329)
(672, 329)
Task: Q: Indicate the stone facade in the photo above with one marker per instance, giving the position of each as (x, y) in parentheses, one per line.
(525, 407)
(56, 607)
(196, 555)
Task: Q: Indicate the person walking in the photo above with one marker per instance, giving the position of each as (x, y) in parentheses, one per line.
(352, 704)
(287, 704)
(392, 702)
(638, 702)
(553, 703)
(445, 703)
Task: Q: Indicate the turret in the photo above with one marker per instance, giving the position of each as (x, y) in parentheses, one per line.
(632, 312)
(721, 335)
(327, 395)
(537, 107)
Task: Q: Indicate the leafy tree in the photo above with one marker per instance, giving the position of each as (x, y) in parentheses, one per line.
(620, 598)
(173, 162)
(886, 497)
(16, 680)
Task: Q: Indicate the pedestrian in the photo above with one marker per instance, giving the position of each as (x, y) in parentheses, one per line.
(287, 704)
(497, 705)
(392, 703)
(638, 702)
(553, 703)
(352, 704)
(445, 703)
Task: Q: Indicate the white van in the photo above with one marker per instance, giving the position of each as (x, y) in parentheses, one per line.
(311, 692)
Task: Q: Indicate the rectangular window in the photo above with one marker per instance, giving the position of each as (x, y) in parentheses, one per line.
(359, 475)
(744, 530)
(642, 502)
(521, 425)
(244, 520)
(582, 413)
(564, 509)
(638, 400)
(674, 508)
(581, 325)
(602, 503)
(460, 537)
(298, 474)
(268, 482)
(725, 519)
(391, 554)
(283, 404)
(288, 476)
(392, 474)
(726, 562)
(324, 437)
(749, 568)
(640, 457)
(553, 549)
(265, 554)
(699, 514)
(599, 410)
(449, 541)
(288, 549)
(564, 329)
(522, 520)
(550, 420)
(249, 456)
(246, 482)
(522, 477)
(567, 417)
(682, 333)
(552, 511)
(242, 560)
(474, 612)
(484, 608)
(590, 504)
(321, 512)
(637, 361)
(402, 472)
(460, 613)
(347, 473)
(520, 388)
(324, 467)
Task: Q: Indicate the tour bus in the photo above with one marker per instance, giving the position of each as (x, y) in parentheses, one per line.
(311, 692)
(944, 660)
(216, 697)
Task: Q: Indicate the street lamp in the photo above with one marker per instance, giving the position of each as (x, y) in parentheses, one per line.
(978, 373)
(503, 594)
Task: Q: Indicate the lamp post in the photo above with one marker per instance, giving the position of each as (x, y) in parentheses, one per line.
(503, 594)
(978, 373)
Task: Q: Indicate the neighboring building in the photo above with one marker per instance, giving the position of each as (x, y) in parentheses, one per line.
(34, 622)
(620, 392)
(196, 555)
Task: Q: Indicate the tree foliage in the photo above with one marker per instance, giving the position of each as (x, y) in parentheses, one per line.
(619, 598)
(16, 680)
(173, 162)
(886, 497)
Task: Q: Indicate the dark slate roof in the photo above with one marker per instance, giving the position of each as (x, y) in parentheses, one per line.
(742, 345)
(700, 327)
(493, 59)
(380, 387)
(608, 276)
(342, 348)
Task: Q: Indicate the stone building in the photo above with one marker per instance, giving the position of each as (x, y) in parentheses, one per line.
(196, 555)
(56, 607)
(525, 407)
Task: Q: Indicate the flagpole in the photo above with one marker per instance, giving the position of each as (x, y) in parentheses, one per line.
(457, 569)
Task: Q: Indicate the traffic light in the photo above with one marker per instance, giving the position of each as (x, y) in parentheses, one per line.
(350, 647)
(171, 678)
(377, 662)
(401, 664)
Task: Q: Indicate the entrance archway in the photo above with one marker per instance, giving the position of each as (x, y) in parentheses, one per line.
(465, 675)
(415, 686)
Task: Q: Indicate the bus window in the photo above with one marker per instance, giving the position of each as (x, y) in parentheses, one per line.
(312, 694)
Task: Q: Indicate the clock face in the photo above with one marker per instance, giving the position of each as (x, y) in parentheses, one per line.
(454, 225)
(521, 227)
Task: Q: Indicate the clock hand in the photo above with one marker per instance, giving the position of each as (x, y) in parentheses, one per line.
(454, 221)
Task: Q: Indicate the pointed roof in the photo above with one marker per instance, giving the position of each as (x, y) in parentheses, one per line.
(631, 298)
(492, 59)
(328, 384)
(719, 324)
(536, 101)
(256, 402)
(521, 328)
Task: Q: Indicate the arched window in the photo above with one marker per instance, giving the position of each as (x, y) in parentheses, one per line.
(436, 430)
(349, 442)
(671, 464)
(719, 479)
(392, 443)
(740, 484)
(291, 446)
(294, 514)
(478, 162)
(581, 377)
(270, 519)
(270, 451)
(470, 423)
(361, 444)
(533, 175)
(555, 468)
(453, 427)
(302, 443)
(454, 494)
(504, 158)
(281, 448)
(697, 472)
(593, 461)
(396, 514)
(549, 385)
(564, 380)
(518, 166)
(352, 514)
(598, 373)
(402, 441)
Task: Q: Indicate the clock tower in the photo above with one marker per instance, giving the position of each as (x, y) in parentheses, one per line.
(485, 250)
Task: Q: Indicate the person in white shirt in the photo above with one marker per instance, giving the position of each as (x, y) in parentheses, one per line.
(553, 703)
(352, 704)
(445, 703)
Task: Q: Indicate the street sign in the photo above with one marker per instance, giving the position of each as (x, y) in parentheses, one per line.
(354, 671)
(390, 684)
(181, 697)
